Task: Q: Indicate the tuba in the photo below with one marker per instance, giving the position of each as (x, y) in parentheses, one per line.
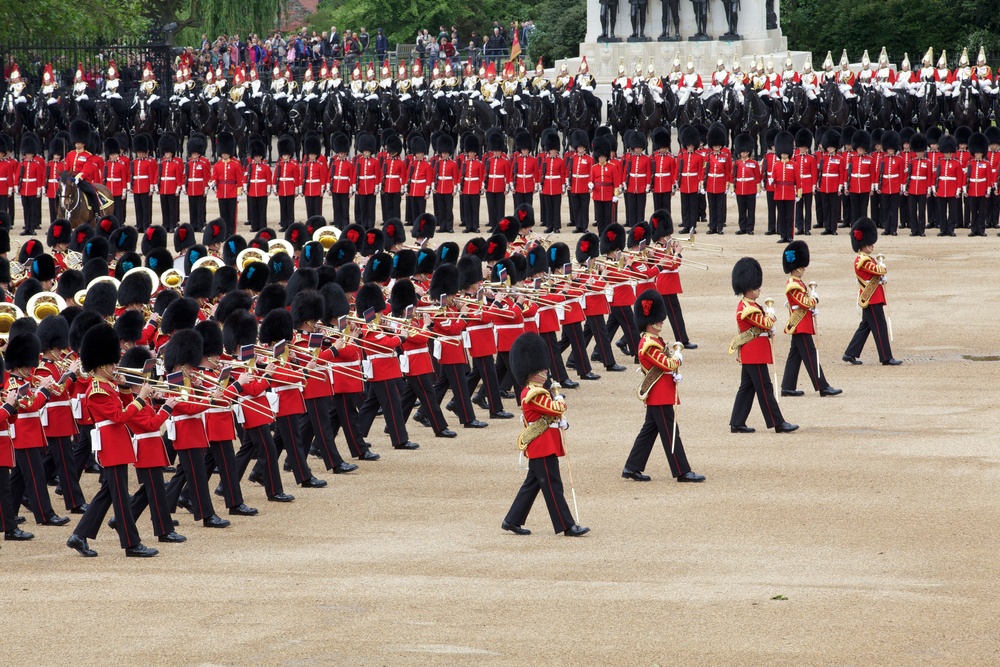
(172, 279)
(327, 236)
(8, 314)
(211, 262)
(43, 305)
(250, 255)
(276, 246)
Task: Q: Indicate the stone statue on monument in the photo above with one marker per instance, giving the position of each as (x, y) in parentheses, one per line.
(638, 16)
(732, 8)
(772, 18)
(609, 16)
(671, 9)
(701, 17)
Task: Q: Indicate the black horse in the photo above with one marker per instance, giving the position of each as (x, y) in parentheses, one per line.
(272, 121)
(395, 114)
(106, 119)
(803, 111)
(692, 112)
(968, 107)
(333, 118)
(756, 117)
(474, 116)
(43, 121)
(538, 117)
(838, 110)
(929, 107)
(619, 112)
(725, 108)
(12, 121)
(649, 113)
(578, 116)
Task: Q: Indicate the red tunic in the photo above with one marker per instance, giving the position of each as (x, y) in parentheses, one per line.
(28, 432)
(393, 175)
(147, 443)
(472, 176)
(287, 383)
(259, 179)
(746, 177)
(866, 268)
(171, 176)
(448, 348)
(416, 359)
(53, 169)
(832, 172)
(525, 173)
(918, 180)
(32, 177)
(949, 178)
(664, 176)
(552, 172)
(446, 176)
(220, 423)
(891, 173)
(199, 172)
(8, 414)
(144, 174)
(637, 172)
(368, 174)
(252, 399)
(341, 176)
(806, 173)
(509, 329)
(750, 314)
(980, 177)
(57, 418)
(860, 174)
(578, 169)
(691, 172)
(651, 355)
(669, 279)
(420, 178)
(188, 418)
(799, 299)
(380, 355)
(782, 177)
(720, 172)
(346, 369)
(606, 178)
(107, 407)
(227, 175)
(536, 403)
(315, 177)
(287, 178)
(496, 168)
(116, 176)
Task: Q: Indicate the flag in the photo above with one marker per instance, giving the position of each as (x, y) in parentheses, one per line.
(515, 46)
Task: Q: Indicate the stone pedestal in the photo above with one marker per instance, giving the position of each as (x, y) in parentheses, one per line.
(754, 40)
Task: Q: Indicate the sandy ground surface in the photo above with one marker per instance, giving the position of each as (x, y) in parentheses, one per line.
(875, 520)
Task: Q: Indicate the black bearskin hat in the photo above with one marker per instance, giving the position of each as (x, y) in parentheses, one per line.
(197, 143)
(273, 296)
(861, 139)
(135, 288)
(447, 253)
(280, 267)
(639, 233)
(537, 261)
(863, 233)
(199, 283)
(43, 268)
(185, 348)
(509, 270)
(403, 295)
(297, 235)
(426, 261)
(369, 296)
(129, 326)
(444, 281)
(795, 256)
(424, 226)
(100, 347)
(558, 255)
(53, 333)
(308, 307)
(181, 314)
(648, 308)
(379, 268)
(744, 143)
(159, 260)
(509, 227)
(224, 280)
(215, 232)
(550, 140)
(226, 144)
(211, 338)
(374, 242)
(253, 277)
(404, 264)
(496, 248)
(163, 301)
(72, 281)
(528, 355)
(661, 224)
(96, 247)
(349, 277)
(978, 143)
(588, 247)
(891, 141)
(803, 138)
(364, 142)
(340, 253)
(689, 137)
(60, 231)
(335, 303)
(276, 327)
(395, 232)
(747, 275)
(126, 263)
(154, 237)
(235, 300)
(661, 138)
(470, 271)
(613, 238)
(239, 329)
(717, 136)
(303, 279)
(125, 239)
(312, 255)
(81, 324)
(102, 297)
(475, 246)
(232, 247)
(784, 144)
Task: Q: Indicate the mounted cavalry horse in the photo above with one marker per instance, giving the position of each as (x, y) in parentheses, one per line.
(12, 120)
(72, 203)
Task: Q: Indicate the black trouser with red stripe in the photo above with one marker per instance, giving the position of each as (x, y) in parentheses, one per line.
(756, 380)
(803, 352)
(556, 366)
(422, 387)
(317, 423)
(889, 211)
(785, 211)
(286, 211)
(551, 217)
(191, 468)
(635, 208)
(543, 475)
(113, 492)
(345, 415)
(32, 212)
(341, 210)
(314, 206)
(143, 203)
(390, 205)
(873, 322)
(574, 337)
(61, 461)
(291, 442)
(484, 368)
(29, 478)
(976, 208)
(227, 211)
(170, 208)
(746, 210)
(524, 198)
(364, 210)
(453, 375)
(659, 420)
(257, 213)
(468, 212)
(830, 211)
(495, 209)
(223, 458)
(596, 328)
(197, 212)
(258, 439)
(444, 211)
(918, 214)
(622, 317)
(152, 492)
(8, 510)
(579, 211)
(384, 393)
(676, 317)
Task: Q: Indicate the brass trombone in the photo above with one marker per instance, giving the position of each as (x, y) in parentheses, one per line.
(657, 255)
(695, 245)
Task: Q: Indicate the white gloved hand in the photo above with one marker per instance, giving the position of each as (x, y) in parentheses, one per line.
(563, 424)
(590, 186)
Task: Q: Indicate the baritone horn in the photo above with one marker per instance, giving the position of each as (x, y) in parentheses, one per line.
(45, 304)
(211, 262)
(275, 246)
(249, 256)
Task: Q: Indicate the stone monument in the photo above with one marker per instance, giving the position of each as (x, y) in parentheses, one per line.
(699, 30)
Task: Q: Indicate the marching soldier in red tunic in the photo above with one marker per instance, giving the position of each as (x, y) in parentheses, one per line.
(496, 171)
(144, 175)
(315, 175)
(31, 184)
(578, 170)
(541, 441)
(287, 181)
(664, 175)
(117, 169)
(980, 179)
(871, 296)
(831, 166)
(806, 178)
(917, 184)
(393, 178)
(368, 177)
(419, 180)
(447, 178)
(472, 180)
(659, 392)
(99, 355)
(802, 302)
(753, 347)
(342, 182)
(259, 178)
(718, 178)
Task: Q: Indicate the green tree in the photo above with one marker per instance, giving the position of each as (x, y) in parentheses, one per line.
(42, 21)
(215, 17)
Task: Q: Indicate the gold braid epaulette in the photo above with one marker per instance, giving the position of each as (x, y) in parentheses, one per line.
(535, 428)
(651, 376)
(96, 388)
(744, 337)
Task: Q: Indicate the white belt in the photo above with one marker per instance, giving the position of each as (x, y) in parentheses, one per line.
(258, 180)
(168, 178)
(195, 180)
(95, 436)
(479, 327)
(143, 436)
(286, 179)
(977, 180)
(509, 326)
(360, 177)
(5, 434)
(289, 387)
(57, 404)
(385, 355)
(30, 415)
(496, 175)
(210, 411)
(186, 417)
(746, 179)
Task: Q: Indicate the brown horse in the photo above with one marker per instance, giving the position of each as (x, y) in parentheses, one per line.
(73, 204)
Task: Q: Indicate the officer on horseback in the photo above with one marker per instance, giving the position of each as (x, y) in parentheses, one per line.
(79, 91)
(49, 86)
(80, 163)
(255, 88)
(586, 84)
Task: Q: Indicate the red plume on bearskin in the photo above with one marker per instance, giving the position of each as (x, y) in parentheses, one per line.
(371, 237)
(491, 247)
(390, 230)
(612, 236)
(503, 225)
(584, 246)
(294, 236)
(265, 234)
(638, 233)
(105, 224)
(522, 214)
(352, 236)
(647, 305)
(216, 230)
(858, 234)
(182, 234)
